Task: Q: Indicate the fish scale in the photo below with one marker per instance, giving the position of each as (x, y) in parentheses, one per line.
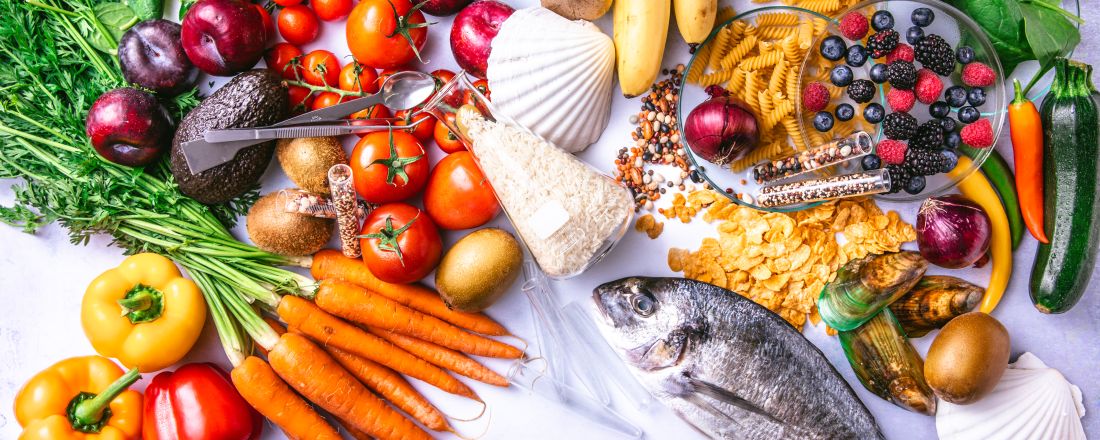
(742, 372)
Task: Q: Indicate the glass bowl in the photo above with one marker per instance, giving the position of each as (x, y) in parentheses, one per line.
(735, 180)
(957, 29)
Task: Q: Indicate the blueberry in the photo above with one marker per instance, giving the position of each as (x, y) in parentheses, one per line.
(882, 20)
(915, 185)
(914, 35)
(956, 96)
(833, 48)
(871, 162)
(878, 73)
(841, 76)
(923, 17)
(857, 55)
(969, 114)
(874, 113)
(845, 112)
(965, 55)
(952, 140)
(939, 109)
(952, 160)
(976, 97)
(949, 124)
(823, 121)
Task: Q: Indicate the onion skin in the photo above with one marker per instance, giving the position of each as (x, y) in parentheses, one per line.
(721, 131)
(953, 231)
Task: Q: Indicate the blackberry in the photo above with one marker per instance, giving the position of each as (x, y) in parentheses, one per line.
(871, 162)
(929, 136)
(914, 34)
(874, 113)
(902, 75)
(923, 162)
(882, 20)
(899, 177)
(965, 55)
(882, 43)
(935, 53)
(899, 126)
(922, 17)
(939, 109)
(845, 112)
(916, 185)
(878, 73)
(833, 48)
(861, 90)
(857, 56)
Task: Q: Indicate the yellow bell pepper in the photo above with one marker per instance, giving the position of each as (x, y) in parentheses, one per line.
(143, 312)
(81, 398)
(977, 188)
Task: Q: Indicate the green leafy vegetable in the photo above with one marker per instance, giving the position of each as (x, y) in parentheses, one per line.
(147, 9)
(115, 19)
(185, 5)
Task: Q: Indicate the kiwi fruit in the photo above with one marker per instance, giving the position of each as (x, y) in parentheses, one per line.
(306, 161)
(967, 358)
(478, 269)
(273, 229)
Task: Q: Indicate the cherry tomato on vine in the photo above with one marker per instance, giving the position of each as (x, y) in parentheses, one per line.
(442, 76)
(298, 24)
(285, 3)
(374, 111)
(445, 138)
(321, 68)
(326, 99)
(401, 243)
(355, 77)
(425, 124)
(388, 166)
(386, 33)
(458, 195)
(286, 59)
(301, 98)
(269, 26)
(331, 10)
(482, 86)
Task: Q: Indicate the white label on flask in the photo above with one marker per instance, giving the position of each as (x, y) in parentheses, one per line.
(548, 219)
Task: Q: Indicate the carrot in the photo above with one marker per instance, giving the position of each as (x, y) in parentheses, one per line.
(265, 391)
(443, 357)
(275, 325)
(360, 305)
(355, 433)
(319, 378)
(332, 264)
(333, 332)
(392, 387)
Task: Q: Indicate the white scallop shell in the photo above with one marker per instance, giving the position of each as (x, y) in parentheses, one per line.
(1032, 401)
(553, 76)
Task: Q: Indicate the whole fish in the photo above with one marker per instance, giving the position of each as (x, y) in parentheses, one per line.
(728, 366)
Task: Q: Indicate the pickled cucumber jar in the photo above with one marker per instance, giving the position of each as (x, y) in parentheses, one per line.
(567, 213)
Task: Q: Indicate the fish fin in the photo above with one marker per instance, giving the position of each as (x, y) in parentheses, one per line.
(704, 405)
(726, 396)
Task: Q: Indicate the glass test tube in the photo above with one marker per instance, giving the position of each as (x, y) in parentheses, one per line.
(854, 146)
(825, 188)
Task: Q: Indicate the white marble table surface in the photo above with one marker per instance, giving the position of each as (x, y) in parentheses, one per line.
(43, 276)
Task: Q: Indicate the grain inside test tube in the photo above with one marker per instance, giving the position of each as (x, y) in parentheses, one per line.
(296, 201)
(344, 201)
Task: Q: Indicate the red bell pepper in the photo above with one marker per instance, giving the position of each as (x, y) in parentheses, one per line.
(198, 402)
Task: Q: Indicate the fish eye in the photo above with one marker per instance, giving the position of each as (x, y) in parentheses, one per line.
(643, 304)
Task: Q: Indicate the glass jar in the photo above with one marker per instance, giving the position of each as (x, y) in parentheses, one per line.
(567, 213)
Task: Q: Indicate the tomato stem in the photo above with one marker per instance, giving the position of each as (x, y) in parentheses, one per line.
(326, 88)
(388, 236)
(402, 27)
(395, 164)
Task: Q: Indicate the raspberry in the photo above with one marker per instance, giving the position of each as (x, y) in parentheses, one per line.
(882, 43)
(978, 75)
(900, 100)
(854, 26)
(929, 86)
(891, 151)
(978, 134)
(903, 52)
(815, 97)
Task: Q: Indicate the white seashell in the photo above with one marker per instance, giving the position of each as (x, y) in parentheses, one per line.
(1032, 401)
(553, 76)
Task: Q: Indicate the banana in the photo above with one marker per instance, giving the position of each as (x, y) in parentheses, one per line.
(695, 18)
(641, 28)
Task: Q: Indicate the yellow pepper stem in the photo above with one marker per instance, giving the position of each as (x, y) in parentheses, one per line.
(89, 412)
(142, 304)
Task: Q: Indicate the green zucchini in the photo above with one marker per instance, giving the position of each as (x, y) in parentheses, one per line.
(1071, 189)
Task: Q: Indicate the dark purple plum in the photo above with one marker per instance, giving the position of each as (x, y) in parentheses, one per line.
(441, 8)
(128, 126)
(223, 37)
(152, 56)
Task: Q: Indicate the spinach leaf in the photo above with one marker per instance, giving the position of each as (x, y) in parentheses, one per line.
(1003, 23)
(108, 22)
(1048, 32)
(147, 9)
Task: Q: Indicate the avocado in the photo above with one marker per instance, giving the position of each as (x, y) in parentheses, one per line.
(252, 99)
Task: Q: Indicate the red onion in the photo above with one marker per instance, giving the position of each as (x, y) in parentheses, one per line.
(719, 130)
(952, 231)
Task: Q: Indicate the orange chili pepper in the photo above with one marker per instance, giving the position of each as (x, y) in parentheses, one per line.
(1027, 148)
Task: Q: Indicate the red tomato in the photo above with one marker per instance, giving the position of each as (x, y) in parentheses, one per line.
(298, 24)
(321, 68)
(445, 138)
(425, 125)
(374, 111)
(481, 86)
(286, 3)
(326, 99)
(301, 98)
(331, 10)
(402, 245)
(286, 59)
(388, 166)
(269, 26)
(355, 77)
(442, 76)
(458, 195)
(386, 33)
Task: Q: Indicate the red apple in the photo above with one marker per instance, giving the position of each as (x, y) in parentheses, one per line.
(128, 127)
(473, 31)
(223, 37)
(440, 8)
